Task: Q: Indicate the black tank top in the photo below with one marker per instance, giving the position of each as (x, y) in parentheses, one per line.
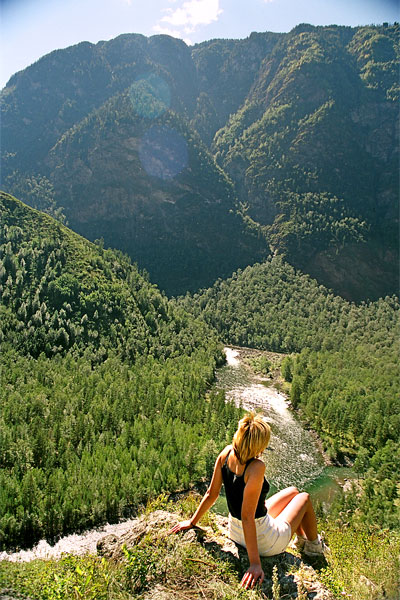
(234, 488)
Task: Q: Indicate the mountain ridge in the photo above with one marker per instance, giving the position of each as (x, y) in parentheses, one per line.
(312, 111)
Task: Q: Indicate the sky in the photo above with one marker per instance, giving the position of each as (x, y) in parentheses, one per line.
(30, 29)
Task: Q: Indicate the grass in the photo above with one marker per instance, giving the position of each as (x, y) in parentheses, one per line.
(363, 565)
(186, 570)
(75, 577)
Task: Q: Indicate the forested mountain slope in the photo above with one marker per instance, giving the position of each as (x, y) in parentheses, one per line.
(64, 86)
(106, 134)
(314, 154)
(157, 190)
(102, 384)
(303, 126)
(59, 291)
(345, 375)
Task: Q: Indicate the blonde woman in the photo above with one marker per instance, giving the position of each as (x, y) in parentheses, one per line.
(263, 527)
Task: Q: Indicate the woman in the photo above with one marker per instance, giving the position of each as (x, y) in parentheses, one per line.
(262, 527)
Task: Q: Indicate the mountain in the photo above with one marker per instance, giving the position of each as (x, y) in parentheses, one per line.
(174, 216)
(198, 161)
(60, 292)
(314, 154)
(183, 229)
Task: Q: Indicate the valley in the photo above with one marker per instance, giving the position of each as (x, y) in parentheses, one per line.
(187, 233)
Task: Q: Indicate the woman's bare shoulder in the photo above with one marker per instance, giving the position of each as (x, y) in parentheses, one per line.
(224, 453)
(256, 468)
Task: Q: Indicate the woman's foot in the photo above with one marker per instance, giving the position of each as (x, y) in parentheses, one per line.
(316, 547)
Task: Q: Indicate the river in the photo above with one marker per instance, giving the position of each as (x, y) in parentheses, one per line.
(292, 458)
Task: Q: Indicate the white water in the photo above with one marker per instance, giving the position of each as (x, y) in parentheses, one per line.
(231, 357)
(292, 457)
(72, 544)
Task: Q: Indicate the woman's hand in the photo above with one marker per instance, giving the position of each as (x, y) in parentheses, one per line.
(182, 526)
(253, 575)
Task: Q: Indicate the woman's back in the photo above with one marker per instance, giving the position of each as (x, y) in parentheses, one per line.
(235, 476)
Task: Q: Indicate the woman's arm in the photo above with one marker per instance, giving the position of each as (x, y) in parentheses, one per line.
(251, 495)
(208, 499)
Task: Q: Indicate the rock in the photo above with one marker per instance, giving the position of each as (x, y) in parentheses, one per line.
(368, 583)
(110, 546)
(306, 577)
(105, 543)
(6, 594)
(351, 485)
(159, 592)
(291, 571)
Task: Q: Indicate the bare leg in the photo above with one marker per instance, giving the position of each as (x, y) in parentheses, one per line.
(300, 515)
(276, 503)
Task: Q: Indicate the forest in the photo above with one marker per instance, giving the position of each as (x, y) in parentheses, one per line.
(103, 384)
(104, 381)
(106, 401)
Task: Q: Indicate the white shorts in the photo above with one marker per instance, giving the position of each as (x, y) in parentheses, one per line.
(273, 536)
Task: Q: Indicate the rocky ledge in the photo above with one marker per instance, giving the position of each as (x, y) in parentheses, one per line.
(286, 575)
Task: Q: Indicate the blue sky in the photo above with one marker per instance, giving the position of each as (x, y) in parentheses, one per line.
(32, 28)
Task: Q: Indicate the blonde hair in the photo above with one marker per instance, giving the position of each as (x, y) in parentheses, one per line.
(251, 437)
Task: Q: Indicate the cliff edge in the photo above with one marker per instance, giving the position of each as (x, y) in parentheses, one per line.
(202, 563)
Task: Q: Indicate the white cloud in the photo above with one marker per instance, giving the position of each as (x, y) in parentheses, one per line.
(193, 13)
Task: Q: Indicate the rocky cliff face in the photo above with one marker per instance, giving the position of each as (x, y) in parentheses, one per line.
(130, 133)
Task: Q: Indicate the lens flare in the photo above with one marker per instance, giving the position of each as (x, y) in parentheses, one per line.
(163, 152)
(150, 96)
